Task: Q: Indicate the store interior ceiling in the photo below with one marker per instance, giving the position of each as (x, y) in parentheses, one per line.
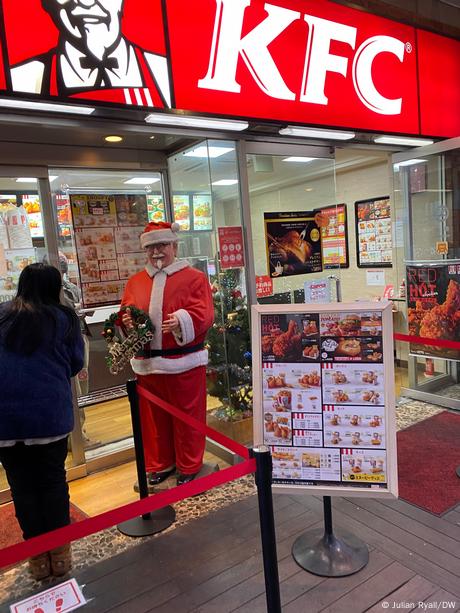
(191, 172)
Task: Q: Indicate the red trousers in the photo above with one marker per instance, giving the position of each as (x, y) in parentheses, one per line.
(167, 440)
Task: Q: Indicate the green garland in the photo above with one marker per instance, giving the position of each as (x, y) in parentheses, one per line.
(121, 351)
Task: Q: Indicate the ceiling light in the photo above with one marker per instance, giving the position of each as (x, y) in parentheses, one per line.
(46, 106)
(204, 152)
(226, 182)
(114, 139)
(400, 140)
(186, 121)
(142, 180)
(316, 133)
(408, 163)
(152, 137)
(33, 179)
(302, 160)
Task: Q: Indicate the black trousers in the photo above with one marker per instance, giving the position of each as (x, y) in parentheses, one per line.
(37, 478)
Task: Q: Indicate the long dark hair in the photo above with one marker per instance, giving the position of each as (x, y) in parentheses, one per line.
(32, 316)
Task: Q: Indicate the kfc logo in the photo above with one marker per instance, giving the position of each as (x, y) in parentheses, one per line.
(229, 45)
(93, 55)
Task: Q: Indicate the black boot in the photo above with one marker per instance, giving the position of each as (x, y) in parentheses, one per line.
(159, 477)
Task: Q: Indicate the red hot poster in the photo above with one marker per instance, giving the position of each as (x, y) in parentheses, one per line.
(433, 307)
(231, 247)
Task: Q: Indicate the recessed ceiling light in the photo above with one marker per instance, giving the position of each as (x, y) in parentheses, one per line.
(408, 163)
(400, 140)
(114, 139)
(46, 106)
(316, 133)
(187, 121)
(142, 180)
(204, 152)
(33, 179)
(226, 182)
(301, 160)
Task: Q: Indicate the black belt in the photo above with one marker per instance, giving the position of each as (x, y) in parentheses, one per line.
(156, 353)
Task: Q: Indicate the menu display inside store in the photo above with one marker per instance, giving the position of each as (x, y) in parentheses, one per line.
(156, 208)
(293, 243)
(107, 230)
(323, 397)
(193, 211)
(374, 232)
(334, 236)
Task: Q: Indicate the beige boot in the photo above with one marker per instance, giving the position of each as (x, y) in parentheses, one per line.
(61, 560)
(39, 566)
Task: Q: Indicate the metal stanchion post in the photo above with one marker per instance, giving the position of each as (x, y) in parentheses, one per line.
(159, 520)
(267, 527)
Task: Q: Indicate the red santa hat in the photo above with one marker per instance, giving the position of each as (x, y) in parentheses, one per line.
(159, 232)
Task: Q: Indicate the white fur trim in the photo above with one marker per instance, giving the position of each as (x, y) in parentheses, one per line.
(156, 308)
(167, 235)
(167, 366)
(187, 329)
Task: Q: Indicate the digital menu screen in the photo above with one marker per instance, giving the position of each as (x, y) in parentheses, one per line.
(181, 205)
(374, 232)
(202, 212)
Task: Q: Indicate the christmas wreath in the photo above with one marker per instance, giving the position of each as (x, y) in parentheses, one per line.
(124, 343)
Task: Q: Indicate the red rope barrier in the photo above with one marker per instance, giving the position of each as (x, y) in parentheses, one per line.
(422, 340)
(56, 538)
(195, 423)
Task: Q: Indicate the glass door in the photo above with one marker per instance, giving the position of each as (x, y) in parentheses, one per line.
(427, 197)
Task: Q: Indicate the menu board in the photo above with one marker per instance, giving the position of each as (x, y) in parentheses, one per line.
(15, 260)
(322, 397)
(202, 212)
(64, 215)
(334, 236)
(373, 232)
(181, 205)
(433, 307)
(293, 243)
(107, 230)
(156, 208)
(31, 203)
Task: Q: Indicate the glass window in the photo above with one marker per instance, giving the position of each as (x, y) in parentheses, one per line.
(100, 215)
(207, 206)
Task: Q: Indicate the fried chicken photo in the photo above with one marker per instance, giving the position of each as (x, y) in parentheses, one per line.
(433, 320)
(287, 343)
(292, 247)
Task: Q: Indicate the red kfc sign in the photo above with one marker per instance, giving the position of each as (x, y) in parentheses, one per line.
(295, 61)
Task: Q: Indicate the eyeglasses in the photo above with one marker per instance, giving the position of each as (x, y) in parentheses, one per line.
(156, 246)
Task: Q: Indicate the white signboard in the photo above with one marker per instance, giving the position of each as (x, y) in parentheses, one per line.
(324, 399)
(61, 598)
(317, 291)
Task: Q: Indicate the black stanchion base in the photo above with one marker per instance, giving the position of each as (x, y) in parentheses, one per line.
(328, 556)
(458, 471)
(157, 522)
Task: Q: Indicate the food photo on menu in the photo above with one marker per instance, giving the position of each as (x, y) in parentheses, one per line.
(131, 209)
(364, 465)
(353, 384)
(352, 349)
(299, 465)
(290, 338)
(353, 426)
(351, 324)
(288, 387)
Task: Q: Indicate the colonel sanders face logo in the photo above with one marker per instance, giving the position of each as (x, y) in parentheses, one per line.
(92, 26)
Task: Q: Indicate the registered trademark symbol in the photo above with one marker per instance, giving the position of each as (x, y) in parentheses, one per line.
(408, 47)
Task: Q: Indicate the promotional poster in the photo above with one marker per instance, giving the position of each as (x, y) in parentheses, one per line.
(433, 307)
(334, 236)
(374, 240)
(293, 242)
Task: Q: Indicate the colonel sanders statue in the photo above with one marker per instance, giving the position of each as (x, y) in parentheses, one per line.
(178, 300)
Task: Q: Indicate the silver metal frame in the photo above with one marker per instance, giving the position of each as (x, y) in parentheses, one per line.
(426, 391)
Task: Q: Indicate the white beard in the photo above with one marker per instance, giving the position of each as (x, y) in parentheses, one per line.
(158, 263)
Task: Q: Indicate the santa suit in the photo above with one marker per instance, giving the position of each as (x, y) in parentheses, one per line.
(128, 75)
(179, 379)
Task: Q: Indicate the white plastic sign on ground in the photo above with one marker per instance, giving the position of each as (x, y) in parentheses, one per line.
(59, 599)
(324, 398)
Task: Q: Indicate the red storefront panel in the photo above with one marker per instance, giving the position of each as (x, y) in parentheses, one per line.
(439, 69)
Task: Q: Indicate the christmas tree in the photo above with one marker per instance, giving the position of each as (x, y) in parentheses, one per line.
(229, 373)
